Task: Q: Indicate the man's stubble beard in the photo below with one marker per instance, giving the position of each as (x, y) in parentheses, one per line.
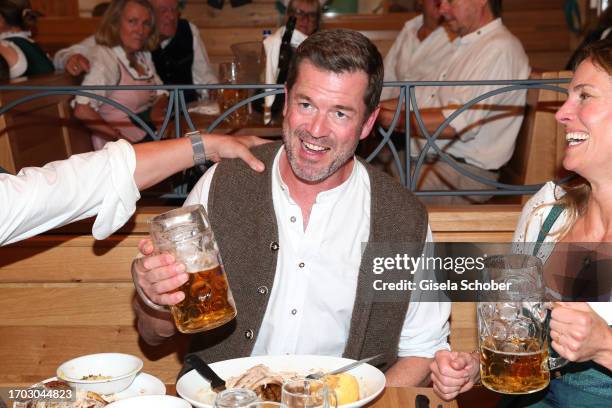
(340, 158)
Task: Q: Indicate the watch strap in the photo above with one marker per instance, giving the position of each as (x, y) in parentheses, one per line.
(197, 145)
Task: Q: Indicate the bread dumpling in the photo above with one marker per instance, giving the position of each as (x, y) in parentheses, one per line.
(345, 386)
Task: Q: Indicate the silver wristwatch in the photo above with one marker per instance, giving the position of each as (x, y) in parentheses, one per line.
(197, 144)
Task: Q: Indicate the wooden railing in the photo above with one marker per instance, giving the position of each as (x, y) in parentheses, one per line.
(63, 294)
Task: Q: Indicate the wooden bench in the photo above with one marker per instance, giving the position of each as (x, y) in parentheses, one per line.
(540, 144)
(63, 294)
(41, 130)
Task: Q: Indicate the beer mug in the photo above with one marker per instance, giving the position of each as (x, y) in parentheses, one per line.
(513, 332)
(186, 234)
(307, 393)
(229, 74)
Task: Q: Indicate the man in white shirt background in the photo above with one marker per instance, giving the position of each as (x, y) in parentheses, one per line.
(482, 138)
(298, 242)
(181, 57)
(419, 50)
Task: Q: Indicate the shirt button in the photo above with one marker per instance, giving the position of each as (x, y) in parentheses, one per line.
(263, 290)
(293, 219)
(294, 312)
(302, 264)
(274, 246)
(249, 334)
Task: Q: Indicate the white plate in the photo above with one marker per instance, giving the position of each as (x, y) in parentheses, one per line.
(192, 386)
(143, 384)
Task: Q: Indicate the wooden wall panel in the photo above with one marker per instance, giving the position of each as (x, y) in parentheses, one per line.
(57, 8)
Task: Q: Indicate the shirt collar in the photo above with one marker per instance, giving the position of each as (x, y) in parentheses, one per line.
(120, 53)
(482, 31)
(323, 196)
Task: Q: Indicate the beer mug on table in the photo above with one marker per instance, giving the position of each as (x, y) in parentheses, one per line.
(307, 393)
(513, 332)
(229, 74)
(186, 234)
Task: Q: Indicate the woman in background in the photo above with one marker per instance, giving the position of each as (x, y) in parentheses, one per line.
(122, 56)
(23, 55)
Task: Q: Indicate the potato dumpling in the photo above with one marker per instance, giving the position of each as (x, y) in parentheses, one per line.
(345, 386)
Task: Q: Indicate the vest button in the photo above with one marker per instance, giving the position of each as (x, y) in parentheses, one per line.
(248, 334)
(274, 246)
(263, 290)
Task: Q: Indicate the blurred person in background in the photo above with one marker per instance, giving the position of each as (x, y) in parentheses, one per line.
(23, 55)
(422, 46)
(122, 56)
(180, 58)
(482, 138)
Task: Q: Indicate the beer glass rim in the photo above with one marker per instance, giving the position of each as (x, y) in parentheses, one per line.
(175, 213)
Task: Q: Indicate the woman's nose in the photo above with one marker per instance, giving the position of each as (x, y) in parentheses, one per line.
(565, 114)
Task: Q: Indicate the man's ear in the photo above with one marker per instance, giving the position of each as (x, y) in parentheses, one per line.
(368, 124)
(286, 101)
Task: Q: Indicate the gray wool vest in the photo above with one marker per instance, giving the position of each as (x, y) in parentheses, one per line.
(243, 219)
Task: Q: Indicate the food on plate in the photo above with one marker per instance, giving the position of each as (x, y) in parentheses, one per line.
(94, 377)
(267, 384)
(345, 386)
(61, 397)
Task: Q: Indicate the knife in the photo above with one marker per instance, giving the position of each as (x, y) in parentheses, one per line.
(343, 368)
(216, 383)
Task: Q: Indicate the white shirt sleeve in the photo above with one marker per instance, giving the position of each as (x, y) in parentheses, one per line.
(104, 71)
(20, 67)
(199, 192)
(39, 199)
(201, 70)
(84, 48)
(426, 326)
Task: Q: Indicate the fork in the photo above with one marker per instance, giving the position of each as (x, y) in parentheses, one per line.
(317, 376)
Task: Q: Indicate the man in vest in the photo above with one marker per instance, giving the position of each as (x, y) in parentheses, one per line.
(180, 59)
(299, 240)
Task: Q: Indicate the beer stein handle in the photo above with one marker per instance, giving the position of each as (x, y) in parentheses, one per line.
(143, 296)
(554, 359)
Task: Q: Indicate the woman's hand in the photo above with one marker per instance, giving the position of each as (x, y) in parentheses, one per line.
(579, 334)
(453, 372)
(158, 111)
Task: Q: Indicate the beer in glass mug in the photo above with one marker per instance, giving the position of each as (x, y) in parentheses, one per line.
(515, 357)
(186, 234)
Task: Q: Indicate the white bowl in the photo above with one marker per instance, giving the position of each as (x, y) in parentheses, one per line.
(151, 401)
(121, 369)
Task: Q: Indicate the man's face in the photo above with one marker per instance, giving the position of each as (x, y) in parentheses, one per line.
(167, 15)
(323, 123)
(463, 16)
(306, 16)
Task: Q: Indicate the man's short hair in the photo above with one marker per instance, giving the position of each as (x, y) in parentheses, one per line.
(341, 51)
(496, 7)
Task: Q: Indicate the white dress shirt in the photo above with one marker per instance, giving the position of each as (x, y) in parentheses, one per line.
(272, 46)
(38, 199)
(105, 70)
(489, 53)
(311, 302)
(201, 69)
(411, 59)
(530, 223)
